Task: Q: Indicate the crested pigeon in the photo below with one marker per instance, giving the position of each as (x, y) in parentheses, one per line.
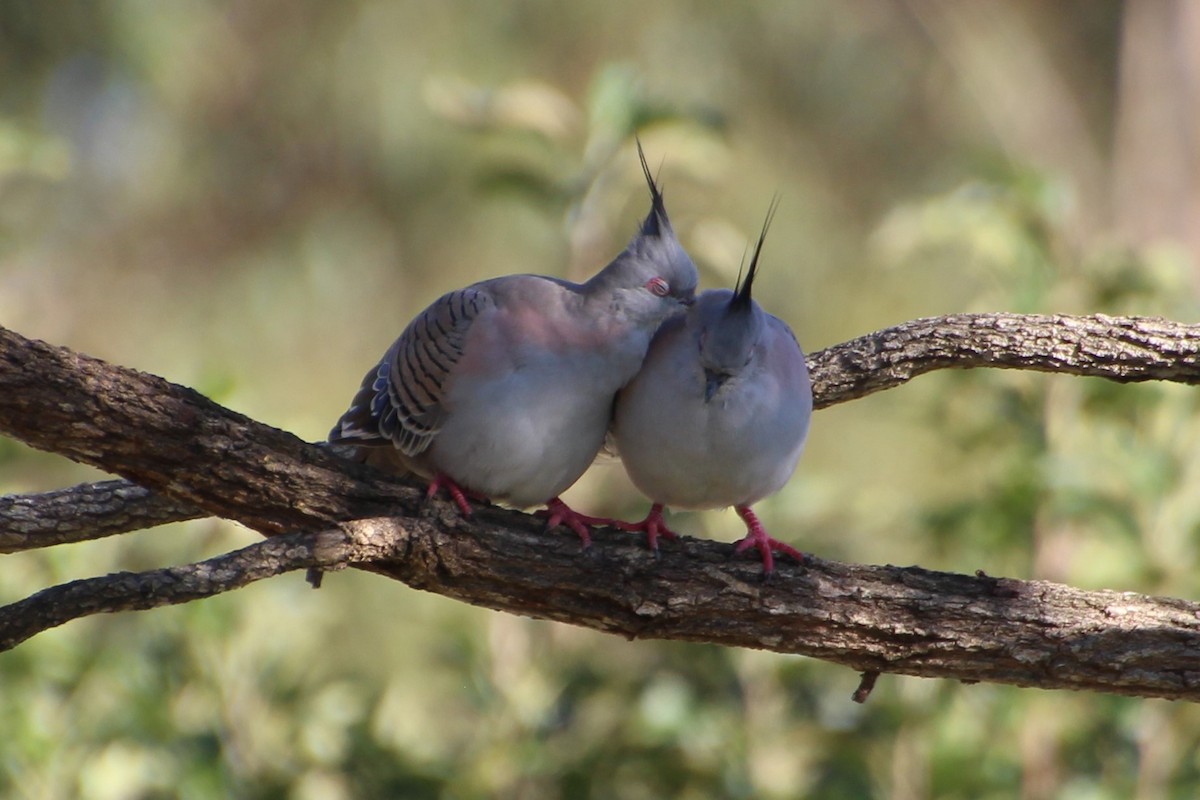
(504, 389)
(718, 414)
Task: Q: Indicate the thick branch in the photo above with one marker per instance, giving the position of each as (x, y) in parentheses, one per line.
(871, 618)
(203, 454)
(874, 619)
(1124, 349)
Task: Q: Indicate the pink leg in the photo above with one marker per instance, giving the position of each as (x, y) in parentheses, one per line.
(653, 526)
(442, 481)
(560, 513)
(757, 537)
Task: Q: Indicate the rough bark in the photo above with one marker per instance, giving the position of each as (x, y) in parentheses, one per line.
(87, 511)
(1123, 349)
(177, 442)
(129, 591)
(874, 619)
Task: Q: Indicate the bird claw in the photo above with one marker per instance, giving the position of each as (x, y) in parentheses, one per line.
(559, 513)
(653, 526)
(456, 494)
(757, 537)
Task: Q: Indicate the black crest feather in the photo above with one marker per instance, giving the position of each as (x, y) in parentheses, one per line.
(742, 289)
(658, 214)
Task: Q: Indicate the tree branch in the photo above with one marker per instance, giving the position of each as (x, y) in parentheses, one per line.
(350, 543)
(87, 511)
(204, 455)
(1123, 349)
(874, 619)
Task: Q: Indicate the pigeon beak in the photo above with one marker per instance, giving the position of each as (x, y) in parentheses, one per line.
(713, 381)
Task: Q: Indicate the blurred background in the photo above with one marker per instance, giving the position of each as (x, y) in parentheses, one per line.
(252, 198)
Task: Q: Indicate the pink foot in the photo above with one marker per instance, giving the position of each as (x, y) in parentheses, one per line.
(560, 513)
(757, 537)
(653, 526)
(442, 481)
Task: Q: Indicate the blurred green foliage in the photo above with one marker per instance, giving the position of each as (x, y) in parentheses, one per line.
(253, 198)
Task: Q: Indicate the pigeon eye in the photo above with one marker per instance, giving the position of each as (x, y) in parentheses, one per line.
(658, 287)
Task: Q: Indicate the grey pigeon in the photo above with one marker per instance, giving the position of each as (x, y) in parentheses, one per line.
(718, 414)
(504, 390)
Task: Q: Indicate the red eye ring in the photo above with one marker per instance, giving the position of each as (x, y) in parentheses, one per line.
(658, 287)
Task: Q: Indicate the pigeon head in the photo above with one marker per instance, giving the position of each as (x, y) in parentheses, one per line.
(730, 323)
(654, 274)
